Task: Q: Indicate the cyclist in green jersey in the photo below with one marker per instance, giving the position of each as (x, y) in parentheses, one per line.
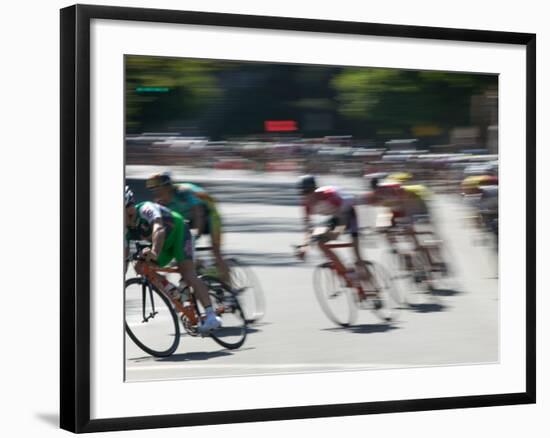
(171, 240)
(195, 205)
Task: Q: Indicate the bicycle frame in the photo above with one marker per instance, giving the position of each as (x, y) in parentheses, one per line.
(420, 247)
(342, 273)
(150, 273)
(143, 295)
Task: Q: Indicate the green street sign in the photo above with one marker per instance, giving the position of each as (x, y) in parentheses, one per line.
(152, 90)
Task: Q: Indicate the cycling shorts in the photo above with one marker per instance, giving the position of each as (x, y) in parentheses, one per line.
(349, 220)
(213, 223)
(178, 245)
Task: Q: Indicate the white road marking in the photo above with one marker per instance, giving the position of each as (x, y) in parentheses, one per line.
(252, 366)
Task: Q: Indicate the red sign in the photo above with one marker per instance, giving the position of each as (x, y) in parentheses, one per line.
(280, 125)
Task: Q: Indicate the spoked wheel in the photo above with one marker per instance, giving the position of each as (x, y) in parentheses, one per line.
(422, 271)
(233, 330)
(335, 298)
(383, 297)
(149, 318)
(246, 286)
(409, 276)
(441, 275)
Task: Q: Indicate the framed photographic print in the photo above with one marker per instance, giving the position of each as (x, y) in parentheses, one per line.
(267, 218)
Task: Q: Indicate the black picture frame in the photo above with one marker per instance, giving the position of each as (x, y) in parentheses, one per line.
(75, 217)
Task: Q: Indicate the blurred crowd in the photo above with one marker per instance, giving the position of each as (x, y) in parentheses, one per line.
(443, 170)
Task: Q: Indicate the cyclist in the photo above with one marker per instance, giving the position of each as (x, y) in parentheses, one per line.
(195, 204)
(330, 201)
(471, 185)
(487, 207)
(408, 205)
(171, 239)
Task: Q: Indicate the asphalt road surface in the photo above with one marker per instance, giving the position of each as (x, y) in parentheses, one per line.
(458, 324)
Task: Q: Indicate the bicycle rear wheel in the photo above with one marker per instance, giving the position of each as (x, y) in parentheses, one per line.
(247, 287)
(335, 298)
(233, 330)
(150, 319)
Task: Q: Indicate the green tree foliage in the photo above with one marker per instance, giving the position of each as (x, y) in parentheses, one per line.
(186, 85)
(394, 101)
(221, 99)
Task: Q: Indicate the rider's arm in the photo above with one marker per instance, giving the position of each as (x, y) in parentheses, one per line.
(301, 249)
(198, 219)
(157, 237)
(307, 226)
(195, 206)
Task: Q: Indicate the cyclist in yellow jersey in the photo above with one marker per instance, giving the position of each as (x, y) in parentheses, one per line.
(471, 185)
(406, 202)
(408, 205)
(400, 177)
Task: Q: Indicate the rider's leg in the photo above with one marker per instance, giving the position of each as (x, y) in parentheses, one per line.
(323, 236)
(360, 265)
(331, 255)
(223, 269)
(187, 271)
(186, 267)
(356, 249)
(352, 226)
(432, 251)
(188, 274)
(420, 213)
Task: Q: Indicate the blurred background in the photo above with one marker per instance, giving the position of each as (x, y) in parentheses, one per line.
(318, 119)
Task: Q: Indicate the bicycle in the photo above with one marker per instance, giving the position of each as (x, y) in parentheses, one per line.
(416, 264)
(151, 314)
(340, 296)
(244, 283)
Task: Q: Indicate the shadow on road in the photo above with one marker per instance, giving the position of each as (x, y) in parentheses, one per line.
(254, 327)
(364, 328)
(372, 328)
(187, 357)
(426, 307)
(260, 323)
(444, 292)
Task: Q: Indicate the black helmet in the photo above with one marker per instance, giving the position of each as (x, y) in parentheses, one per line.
(374, 183)
(374, 179)
(307, 184)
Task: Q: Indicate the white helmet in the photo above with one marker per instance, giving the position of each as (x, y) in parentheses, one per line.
(128, 197)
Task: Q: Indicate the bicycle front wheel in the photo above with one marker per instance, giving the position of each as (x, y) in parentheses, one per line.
(233, 330)
(336, 300)
(422, 271)
(149, 318)
(388, 299)
(247, 287)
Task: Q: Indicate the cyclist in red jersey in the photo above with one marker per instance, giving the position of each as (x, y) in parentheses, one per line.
(330, 201)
